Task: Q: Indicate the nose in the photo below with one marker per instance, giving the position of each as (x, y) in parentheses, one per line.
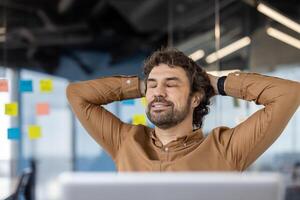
(160, 91)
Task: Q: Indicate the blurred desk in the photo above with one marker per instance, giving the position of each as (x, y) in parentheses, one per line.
(293, 192)
(7, 187)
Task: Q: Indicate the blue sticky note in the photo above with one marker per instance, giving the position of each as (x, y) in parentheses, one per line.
(13, 133)
(128, 102)
(25, 86)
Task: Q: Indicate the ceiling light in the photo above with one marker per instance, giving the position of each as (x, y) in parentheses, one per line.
(278, 17)
(2, 38)
(284, 37)
(228, 49)
(197, 55)
(2, 30)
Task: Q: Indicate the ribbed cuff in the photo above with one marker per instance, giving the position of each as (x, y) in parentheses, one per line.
(234, 84)
(130, 87)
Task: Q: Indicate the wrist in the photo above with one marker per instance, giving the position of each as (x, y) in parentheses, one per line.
(221, 85)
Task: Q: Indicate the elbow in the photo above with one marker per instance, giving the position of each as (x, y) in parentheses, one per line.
(294, 92)
(70, 91)
(297, 92)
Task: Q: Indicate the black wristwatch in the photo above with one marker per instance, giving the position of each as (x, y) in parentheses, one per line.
(220, 85)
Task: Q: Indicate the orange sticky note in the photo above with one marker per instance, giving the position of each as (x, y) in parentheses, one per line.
(3, 85)
(34, 132)
(139, 119)
(42, 109)
(11, 109)
(46, 85)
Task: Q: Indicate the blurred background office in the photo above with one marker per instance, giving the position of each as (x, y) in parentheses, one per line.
(45, 44)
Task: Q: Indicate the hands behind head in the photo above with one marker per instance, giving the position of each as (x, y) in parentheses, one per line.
(213, 81)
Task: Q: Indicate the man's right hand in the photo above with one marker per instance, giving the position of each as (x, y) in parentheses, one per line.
(213, 81)
(142, 87)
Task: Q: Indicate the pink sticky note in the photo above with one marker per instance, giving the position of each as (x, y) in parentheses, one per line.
(42, 109)
(3, 85)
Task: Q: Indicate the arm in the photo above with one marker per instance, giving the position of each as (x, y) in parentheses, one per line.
(86, 98)
(244, 143)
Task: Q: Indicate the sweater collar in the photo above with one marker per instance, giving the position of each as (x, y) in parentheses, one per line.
(194, 135)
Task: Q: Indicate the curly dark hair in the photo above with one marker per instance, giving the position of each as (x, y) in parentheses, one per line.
(199, 80)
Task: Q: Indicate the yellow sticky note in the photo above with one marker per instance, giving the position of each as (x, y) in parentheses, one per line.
(11, 109)
(139, 119)
(143, 101)
(34, 132)
(46, 85)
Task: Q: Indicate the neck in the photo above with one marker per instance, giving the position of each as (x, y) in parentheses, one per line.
(170, 134)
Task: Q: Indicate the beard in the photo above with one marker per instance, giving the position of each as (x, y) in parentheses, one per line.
(168, 117)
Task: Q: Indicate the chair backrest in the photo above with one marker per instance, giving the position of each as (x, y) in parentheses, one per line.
(23, 183)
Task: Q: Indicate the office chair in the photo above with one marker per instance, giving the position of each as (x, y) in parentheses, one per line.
(23, 185)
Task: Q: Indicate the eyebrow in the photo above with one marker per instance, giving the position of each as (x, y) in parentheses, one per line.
(173, 79)
(168, 79)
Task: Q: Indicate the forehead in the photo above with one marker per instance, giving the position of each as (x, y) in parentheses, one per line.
(163, 71)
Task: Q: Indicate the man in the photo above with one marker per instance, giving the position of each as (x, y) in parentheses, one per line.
(178, 92)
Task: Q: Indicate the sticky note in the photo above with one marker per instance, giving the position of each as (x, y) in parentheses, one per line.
(3, 85)
(11, 109)
(42, 109)
(139, 119)
(13, 133)
(46, 85)
(143, 101)
(128, 102)
(25, 86)
(34, 132)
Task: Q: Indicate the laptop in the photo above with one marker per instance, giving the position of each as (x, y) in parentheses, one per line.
(171, 186)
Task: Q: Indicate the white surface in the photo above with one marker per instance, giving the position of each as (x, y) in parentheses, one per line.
(7, 187)
(171, 186)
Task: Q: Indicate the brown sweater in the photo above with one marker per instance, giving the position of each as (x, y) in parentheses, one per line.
(136, 148)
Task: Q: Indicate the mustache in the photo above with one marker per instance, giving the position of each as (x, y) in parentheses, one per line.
(160, 99)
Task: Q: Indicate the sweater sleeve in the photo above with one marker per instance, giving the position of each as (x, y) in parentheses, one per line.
(244, 143)
(86, 99)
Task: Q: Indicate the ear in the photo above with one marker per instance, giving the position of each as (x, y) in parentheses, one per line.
(196, 99)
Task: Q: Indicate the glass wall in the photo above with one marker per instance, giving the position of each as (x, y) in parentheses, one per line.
(8, 157)
(52, 150)
(51, 136)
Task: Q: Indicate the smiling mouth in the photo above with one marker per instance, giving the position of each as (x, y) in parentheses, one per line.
(159, 106)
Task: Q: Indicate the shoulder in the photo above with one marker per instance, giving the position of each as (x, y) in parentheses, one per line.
(220, 134)
(138, 131)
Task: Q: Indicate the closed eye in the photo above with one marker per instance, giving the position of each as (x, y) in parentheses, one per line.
(171, 85)
(151, 85)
